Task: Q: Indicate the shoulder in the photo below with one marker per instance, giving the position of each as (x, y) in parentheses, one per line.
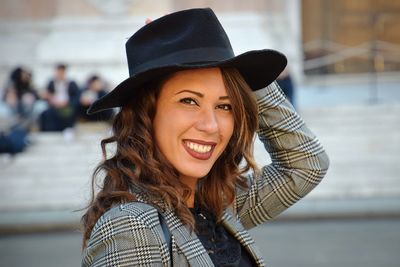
(132, 217)
(124, 234)
(72, 85)
(50, 84)
(132, 211)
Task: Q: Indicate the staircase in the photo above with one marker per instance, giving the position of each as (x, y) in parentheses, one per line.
(53, 177)
(363, 144)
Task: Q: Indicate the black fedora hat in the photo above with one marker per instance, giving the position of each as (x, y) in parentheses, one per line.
(187, 39)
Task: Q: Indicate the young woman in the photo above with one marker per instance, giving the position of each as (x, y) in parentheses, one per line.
(182, 187)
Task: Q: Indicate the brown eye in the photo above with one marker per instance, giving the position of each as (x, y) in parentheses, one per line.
(188, 101)
(226, 107)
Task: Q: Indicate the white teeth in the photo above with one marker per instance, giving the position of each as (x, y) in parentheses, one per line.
(198, 148)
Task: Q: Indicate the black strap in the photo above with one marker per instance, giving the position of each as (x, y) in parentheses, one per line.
(167, 234)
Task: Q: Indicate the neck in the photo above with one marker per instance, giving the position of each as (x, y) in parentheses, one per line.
(190, 201)
(191, 183)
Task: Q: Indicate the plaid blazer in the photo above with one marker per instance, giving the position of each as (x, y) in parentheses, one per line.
(130, 234)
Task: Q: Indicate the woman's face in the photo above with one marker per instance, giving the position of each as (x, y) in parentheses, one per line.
(193, 122)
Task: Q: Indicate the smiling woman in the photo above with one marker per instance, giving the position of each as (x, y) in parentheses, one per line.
(182, 187)
(202, 127)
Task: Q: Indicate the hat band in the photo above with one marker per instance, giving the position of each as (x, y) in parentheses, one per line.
(185, 57)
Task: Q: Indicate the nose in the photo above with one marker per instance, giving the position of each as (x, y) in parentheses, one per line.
(207, 121)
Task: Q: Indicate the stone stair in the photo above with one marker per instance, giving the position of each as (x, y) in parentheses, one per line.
(54, 173)
(363, 143)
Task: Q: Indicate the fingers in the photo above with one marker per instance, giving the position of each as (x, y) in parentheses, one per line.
(148, 20)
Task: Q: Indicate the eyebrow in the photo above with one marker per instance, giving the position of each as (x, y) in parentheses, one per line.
(199, 94)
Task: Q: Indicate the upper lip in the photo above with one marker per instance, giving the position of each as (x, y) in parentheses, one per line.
(201, 142)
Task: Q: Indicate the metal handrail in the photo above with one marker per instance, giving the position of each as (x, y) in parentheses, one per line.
(339, 52)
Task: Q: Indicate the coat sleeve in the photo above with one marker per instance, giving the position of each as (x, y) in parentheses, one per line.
(298, 161)
(123, 238)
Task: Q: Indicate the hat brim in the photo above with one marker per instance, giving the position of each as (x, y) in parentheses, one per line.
(259, 68)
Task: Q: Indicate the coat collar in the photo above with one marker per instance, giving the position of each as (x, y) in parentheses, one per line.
(235, 228)
(188, 242)
(190, 245)
(182, 238)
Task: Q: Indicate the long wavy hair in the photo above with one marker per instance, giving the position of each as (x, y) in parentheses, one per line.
(138, 163)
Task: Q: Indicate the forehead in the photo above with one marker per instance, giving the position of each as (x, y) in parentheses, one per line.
(207, 80)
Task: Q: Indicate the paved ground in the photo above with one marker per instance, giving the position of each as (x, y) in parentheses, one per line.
(331, 243)
(354, 243)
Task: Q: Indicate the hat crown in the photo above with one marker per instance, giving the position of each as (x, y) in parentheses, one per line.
(182, 38)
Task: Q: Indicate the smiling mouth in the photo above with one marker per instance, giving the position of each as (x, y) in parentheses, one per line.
(199, 149)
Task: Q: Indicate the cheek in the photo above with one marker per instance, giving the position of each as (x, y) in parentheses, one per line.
(227, 126)
(168, 126)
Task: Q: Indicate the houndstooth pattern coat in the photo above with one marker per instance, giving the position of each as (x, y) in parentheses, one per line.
(130, 234)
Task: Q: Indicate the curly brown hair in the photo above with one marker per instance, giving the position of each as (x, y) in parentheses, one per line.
(138, 163)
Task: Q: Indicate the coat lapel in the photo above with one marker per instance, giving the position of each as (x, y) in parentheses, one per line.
(187, 242)
(190, 245)
(232, 225)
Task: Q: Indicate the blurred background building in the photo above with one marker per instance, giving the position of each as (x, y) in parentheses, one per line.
(89, 35)
(319, 36)
(344, 63)
(350, 36)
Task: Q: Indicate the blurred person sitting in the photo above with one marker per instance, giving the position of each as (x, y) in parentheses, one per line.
(20, 95)
(93, 90)
(17, 113)
(62, 96)
(13, 137)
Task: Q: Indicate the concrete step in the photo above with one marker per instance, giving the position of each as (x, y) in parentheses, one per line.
(363, 143)
(55, 172)
(355, 117)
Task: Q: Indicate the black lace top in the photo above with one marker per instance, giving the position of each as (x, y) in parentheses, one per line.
(223, 249)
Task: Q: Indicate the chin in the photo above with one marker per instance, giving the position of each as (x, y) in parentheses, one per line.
(195, 174)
